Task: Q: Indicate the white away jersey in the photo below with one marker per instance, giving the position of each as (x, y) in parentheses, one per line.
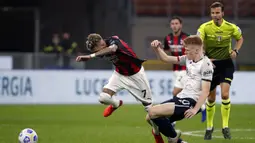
(196, 72)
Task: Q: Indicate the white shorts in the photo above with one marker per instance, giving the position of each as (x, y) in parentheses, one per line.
(137, 84)
(179, 78)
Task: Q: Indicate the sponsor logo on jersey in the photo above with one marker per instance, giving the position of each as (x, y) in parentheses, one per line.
(207, 73)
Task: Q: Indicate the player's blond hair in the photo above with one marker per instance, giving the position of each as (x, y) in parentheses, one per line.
(92, 41)
(193, 40)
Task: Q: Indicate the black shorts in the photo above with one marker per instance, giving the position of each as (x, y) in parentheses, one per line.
(223, 72)
(181, 106)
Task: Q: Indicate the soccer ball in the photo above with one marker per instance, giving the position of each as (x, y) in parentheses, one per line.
(28, 136)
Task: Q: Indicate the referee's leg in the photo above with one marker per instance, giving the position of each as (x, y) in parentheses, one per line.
(210, 109)
(225, 106)
(225, 109)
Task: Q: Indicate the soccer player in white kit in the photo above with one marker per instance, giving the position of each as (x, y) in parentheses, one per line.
(173, 43)
(195, 91)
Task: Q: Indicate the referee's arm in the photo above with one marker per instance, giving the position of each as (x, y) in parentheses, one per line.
(239, 38)
(201, 34)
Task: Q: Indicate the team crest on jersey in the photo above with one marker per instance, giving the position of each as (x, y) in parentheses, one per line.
(207, 73)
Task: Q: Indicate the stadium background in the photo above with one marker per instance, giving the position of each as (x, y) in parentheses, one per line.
(36, 76)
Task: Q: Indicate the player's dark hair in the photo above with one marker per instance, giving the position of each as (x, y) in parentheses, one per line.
(193, 40)
(92, 41)
(217, 4)
(176, 18)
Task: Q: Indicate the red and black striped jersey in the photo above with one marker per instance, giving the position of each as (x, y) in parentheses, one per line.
(174, 44)
(124, 58)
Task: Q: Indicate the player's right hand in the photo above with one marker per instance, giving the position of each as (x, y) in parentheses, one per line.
(83, 58)
(155, 44)
(190, 113)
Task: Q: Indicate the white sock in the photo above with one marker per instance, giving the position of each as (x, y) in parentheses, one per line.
(203, 107)
(107, 99)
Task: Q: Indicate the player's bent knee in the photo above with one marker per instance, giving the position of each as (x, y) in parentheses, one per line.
(103, 97)
(152, 113)
(147, 118)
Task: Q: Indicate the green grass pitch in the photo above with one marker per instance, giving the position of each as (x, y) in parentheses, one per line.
(85, 124)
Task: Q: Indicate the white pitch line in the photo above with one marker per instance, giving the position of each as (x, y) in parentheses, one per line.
(196, 133)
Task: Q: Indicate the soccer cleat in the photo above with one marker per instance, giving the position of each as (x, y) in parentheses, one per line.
(175, 140)
(226, 133)
(158, 138)
(208, 134)
(110, 109)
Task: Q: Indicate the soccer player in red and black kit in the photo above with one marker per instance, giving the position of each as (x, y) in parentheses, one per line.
(173, 43)
(129, 74)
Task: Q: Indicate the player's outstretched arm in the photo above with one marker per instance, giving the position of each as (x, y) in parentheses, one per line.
(205, 92)
(157, 47)
(102, 52)
(83, 58)
(107, 50)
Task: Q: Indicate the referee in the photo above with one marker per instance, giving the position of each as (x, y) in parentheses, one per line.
(217, 35)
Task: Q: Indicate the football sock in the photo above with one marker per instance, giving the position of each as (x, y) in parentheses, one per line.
(203, 113)
(210, 111)
(154, 127)
(203, 107)
(165, 127)
(225, 112)
(107, 99)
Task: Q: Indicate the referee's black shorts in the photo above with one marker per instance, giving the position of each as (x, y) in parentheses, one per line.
(223, 72)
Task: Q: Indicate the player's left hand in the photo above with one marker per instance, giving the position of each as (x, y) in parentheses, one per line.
(233, 54)
(190, 113)
(83, 58)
